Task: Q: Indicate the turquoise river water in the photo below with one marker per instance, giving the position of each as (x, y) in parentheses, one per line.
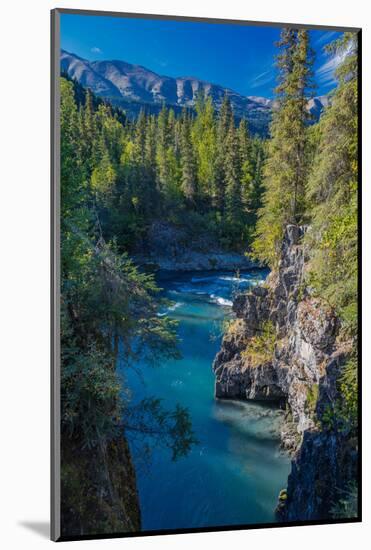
(234, 474)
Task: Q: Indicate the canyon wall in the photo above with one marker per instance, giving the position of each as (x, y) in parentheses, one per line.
(282, 347)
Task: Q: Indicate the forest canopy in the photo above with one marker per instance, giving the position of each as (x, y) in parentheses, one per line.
(201, 170)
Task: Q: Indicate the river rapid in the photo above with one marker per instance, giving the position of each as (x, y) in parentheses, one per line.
(234, 474)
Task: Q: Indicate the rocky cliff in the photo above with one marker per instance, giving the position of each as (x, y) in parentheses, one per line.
(283, 347)
(98, 489)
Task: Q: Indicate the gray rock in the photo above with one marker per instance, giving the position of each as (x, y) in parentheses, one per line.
(303, 372)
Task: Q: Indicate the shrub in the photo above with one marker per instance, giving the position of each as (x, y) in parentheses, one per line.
(260, 348)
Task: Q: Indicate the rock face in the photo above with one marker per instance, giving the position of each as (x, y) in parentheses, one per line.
(98, 489)
(171, 248)
(299, 367)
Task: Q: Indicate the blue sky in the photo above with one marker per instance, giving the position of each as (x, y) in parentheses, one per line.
(234, 56)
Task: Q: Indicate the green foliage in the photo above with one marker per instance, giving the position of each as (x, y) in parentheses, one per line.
(172, 429)
(188, 165)
(108, 307)
(203, 172)
(286, 167)
(346, 506)
(163, 167)
(103, 178)
(310, 177)
(204, 136)
(233, 202)
(90, 390)
(349, 393)
(332, 240)
(260, 348)
(342, 415)
(332, 194)
(312, 398)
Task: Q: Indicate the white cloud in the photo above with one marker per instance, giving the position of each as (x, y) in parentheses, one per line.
(262, 79)
(95, 49)
(325, 37)
(326, 73)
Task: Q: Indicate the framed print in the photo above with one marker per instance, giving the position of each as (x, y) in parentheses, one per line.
(205, 274)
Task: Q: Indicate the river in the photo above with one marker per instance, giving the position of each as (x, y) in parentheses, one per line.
(234, 474)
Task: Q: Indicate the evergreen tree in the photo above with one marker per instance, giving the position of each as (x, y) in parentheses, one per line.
(233, 203)
(204, 143)
(89, 135)
(163, 143)
(182, 169)
(104, 298)
(150, 163)
(246, 166)
(167, 162)
(332, 241)
(142, 175)
(287, 163)
(332, 192)
(244, 143)
(140, 137)
(103, 176)
(112, 130)
(188, 180)
(256, 187)
(225, 120)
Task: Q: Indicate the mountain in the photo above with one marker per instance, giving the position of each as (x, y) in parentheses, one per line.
(316, 105)
(133, 86)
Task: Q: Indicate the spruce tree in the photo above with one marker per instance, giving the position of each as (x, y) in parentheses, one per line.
(140, 136)
(246, 166)
(258, 148)
(204, 144)
(233, 203)
(225, 120)
(332, 241)
(188, 179)
(163, 142)
(90, 132)
(168, 169)
(287, 163)
(150, 163)
(136, 172)
(332, 192)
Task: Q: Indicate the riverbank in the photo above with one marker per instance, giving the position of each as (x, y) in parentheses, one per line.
(191, 260)
(167, 247)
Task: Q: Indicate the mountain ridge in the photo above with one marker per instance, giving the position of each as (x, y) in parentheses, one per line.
(129, 86)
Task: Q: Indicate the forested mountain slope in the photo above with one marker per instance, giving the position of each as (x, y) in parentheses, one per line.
(133, 87)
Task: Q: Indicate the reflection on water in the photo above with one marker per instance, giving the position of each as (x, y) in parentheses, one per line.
(234, 474)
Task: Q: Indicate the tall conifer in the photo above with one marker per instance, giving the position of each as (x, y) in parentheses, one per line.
(188, 179)
(225, 120)
(233, 203)
(286, 166)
